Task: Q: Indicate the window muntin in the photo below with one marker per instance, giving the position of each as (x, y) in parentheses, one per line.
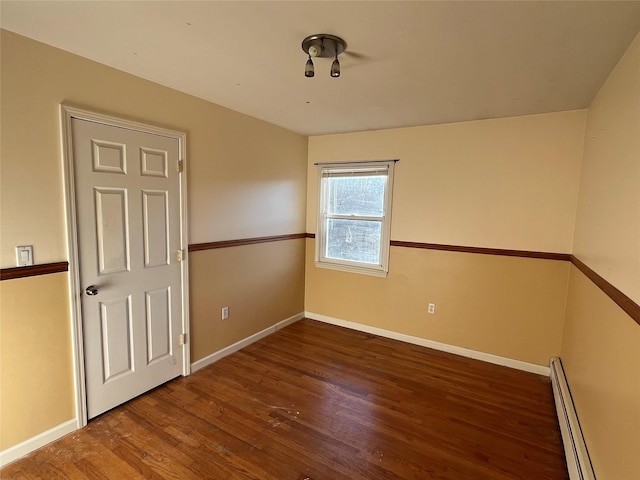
(354, 216)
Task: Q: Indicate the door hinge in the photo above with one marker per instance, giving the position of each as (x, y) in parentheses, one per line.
(179, 256)
(180, 166)
(182, 339)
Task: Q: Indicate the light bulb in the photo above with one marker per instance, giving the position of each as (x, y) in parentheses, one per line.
(315, 50)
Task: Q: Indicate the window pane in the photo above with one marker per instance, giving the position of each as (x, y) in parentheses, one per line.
(362, 196)
(354, 240)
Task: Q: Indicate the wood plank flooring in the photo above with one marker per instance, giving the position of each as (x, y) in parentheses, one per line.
(319, 402)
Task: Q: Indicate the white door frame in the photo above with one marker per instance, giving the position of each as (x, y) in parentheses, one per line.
(67, 113)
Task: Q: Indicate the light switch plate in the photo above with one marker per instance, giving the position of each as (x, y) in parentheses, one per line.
(24, 255)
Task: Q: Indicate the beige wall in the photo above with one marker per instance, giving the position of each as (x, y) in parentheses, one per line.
(607, 236)
(257, 297)
(506, 306)
(601, 357)
(36, 367)
(246, 178)
(506, 183)
(601, 343)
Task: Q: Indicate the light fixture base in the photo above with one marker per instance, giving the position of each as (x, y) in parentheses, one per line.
(326, 45)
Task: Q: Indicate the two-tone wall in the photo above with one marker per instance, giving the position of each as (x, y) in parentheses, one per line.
(601, 341)
(246, 179)
(504, 184)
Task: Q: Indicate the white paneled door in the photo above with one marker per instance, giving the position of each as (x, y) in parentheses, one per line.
(127, 193)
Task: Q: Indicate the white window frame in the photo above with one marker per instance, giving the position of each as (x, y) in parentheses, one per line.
(327, 170)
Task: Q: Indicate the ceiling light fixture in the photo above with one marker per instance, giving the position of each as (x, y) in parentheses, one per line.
(323, 45)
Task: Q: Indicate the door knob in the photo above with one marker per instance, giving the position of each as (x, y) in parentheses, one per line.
(91, 290)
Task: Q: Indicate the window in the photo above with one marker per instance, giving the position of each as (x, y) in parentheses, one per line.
(354, 216)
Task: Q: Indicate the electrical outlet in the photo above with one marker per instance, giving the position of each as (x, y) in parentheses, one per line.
(225, 313)
(432, 308)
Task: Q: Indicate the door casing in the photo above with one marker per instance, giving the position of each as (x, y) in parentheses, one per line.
(67, 113)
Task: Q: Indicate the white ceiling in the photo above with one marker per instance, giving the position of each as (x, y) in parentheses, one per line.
(407, 63)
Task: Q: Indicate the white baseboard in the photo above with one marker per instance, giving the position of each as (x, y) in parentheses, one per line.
(215, 356)
(465, 352)
(20, 450)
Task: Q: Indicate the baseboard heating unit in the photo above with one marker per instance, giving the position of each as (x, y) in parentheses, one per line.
(578, 461)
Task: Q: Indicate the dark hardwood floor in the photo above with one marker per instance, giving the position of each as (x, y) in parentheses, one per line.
(319, 402)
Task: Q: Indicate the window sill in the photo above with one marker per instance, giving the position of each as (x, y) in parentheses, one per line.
(352, 269)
